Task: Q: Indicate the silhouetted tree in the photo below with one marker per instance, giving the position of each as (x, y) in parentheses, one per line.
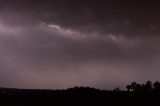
(157, 85)
(128, 87)
(134, 87)
(116, 89)
(148, 86)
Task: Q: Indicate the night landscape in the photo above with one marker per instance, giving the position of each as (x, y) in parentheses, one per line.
(79, 52)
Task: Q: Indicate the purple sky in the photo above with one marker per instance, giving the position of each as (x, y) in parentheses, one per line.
(56, 44)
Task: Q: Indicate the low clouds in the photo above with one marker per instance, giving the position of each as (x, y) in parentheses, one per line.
(65, 45)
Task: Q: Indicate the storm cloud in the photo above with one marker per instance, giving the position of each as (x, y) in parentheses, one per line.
(60, 44)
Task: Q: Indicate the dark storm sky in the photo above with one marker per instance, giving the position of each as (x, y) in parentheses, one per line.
(57, 44)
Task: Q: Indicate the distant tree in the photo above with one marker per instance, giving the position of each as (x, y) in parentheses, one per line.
(116, 89)
(133, 87)
(148, 85)
(128, 87)
(157, 85)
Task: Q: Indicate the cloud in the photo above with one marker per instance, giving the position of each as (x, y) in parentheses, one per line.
(130, 19)
(43, 46)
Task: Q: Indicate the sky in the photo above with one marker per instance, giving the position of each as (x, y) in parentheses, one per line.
(58, 44)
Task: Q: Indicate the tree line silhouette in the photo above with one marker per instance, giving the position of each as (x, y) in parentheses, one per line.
(148, 86)
(135, 94)
(134, 87)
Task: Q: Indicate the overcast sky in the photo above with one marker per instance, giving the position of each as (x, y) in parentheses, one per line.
(56, 44)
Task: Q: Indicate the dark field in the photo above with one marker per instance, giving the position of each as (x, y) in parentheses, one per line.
(82, 96)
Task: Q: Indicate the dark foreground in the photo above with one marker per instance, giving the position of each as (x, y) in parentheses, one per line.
(76, 97)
